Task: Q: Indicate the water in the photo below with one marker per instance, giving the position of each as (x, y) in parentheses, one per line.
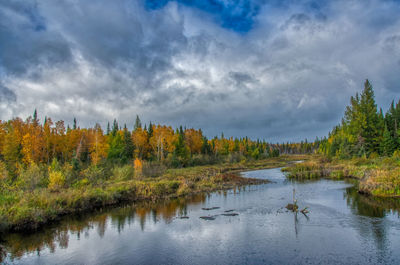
(342, 227)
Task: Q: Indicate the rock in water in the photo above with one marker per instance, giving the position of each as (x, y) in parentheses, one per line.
(210, 218)
(211, 208)
(230, 214)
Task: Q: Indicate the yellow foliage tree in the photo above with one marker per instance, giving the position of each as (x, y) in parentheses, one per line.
(56, 180)
(138, 165)
(162, 141)
(194, 140)
(98, 146)
(139, 137)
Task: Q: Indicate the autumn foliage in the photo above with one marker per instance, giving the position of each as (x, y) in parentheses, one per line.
(88, 155)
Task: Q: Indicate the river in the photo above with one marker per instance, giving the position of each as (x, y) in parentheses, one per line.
(342, 227)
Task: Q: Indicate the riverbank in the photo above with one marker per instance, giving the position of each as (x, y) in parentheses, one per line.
(29, 210)
(375, 176)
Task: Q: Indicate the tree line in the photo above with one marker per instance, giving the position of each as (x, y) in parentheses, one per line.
(23, 143)
(364, 130)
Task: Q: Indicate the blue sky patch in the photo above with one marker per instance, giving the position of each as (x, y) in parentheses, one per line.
(235, 15)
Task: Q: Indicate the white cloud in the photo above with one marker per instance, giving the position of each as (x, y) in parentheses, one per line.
(290, 77)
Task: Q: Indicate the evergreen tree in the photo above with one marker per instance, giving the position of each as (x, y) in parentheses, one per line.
(205, 148)
(181, 153)
(115, 127)
(369, 119)
(74, 125)
(128, 145)
(150, 131)
(116, 149)
(108, 128)
(35, 118)
(388, 143)
(138, 123)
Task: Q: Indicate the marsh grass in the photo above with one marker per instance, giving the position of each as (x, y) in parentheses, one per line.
(379, 176)
(96, 187)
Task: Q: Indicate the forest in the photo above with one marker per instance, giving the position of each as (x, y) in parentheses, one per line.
(365, 131)
(49, 169)
(35, 154)
(364, 147)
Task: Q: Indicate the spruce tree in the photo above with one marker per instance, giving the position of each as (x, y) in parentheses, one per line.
(369, 119)
(128, 145)
(388, 143)
(138, 123)
(35, 118)
(150, 130)
(114, 128)
(108, 128)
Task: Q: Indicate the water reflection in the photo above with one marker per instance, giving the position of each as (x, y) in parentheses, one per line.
(378, 228)
(371, 206)
(19, 244)
(263, 232)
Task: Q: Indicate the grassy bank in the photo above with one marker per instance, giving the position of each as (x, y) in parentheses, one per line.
(23, 209)
(376, 176)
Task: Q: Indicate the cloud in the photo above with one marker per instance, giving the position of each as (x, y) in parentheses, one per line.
(235, 15)
(6, 95)
(287, 76)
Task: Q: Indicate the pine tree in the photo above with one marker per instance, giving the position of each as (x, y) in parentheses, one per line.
(74, 126)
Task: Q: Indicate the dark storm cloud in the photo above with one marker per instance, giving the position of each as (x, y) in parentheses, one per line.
(24, 39)
(6, 95)
(279, 70)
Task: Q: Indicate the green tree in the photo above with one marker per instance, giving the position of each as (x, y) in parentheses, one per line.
(128, 145)
(116, 150)
(138, 123)
(369, 119)
(388, 143)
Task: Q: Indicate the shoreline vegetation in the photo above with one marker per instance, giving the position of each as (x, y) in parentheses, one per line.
(28, 210)
(365, 146)
(378, 177)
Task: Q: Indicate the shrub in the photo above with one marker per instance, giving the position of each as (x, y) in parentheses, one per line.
(165, 187)
(396, 154)
(31, 177)
(95, 174)
(3, 171)
(69, 173)
(56, 180)
(123, 173)
(373, 155)
(306, 170)
(81, 183)
(235, 157)
(153, 169)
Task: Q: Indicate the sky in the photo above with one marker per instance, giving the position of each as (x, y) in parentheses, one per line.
(274, 70)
